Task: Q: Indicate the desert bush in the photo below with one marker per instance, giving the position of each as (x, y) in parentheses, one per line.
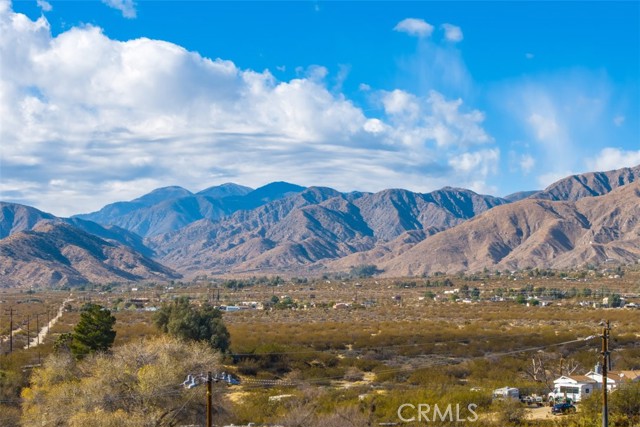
(510, 412)
(185, 321)
(141, 380)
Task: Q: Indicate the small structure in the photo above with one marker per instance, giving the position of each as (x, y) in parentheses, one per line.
(614, 378)
(341, 305)
(572, 388)
(506, 393)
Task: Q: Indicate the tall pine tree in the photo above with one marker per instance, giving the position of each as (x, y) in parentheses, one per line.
(94, 332)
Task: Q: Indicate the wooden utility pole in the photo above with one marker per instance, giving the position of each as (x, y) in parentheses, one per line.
(37, 330)
(28, 334)
(209, 381)
(605, 366)
(10, 329)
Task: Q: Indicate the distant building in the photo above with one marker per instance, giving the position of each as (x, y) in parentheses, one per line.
(614, 378)
(573, 388)
(506, 393)
(341, 305)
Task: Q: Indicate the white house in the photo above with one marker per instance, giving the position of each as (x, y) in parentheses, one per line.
(573, 387)
(614, 378)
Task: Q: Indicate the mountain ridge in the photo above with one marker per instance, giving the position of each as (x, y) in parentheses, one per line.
(282, 227)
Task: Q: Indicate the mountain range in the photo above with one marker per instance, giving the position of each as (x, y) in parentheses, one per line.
(283, 227)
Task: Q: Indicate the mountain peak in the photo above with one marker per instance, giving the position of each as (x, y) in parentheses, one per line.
(225, 190)
(163, 193)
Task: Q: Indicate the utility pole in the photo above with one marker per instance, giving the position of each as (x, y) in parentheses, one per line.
(209, 381)
(37, 330)
(605, 366)
(10, 329)
(28, 335)
(48, 317)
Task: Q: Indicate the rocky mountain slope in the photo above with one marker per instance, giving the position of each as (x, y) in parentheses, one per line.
(314, 225)
(528, 233)
(283, 227)
(171, 208)
(15, 218)
(56, 253)
(590, 184)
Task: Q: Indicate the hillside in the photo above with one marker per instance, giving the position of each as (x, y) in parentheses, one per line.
(590, 184)
(172, 208)
(314, 225)
(54, 253)
(282, 227)
(529, 233)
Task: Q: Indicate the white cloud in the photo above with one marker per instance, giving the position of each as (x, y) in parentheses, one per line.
(399, 102)
(566, 116)
(423, 121)
(527, 163)
(613, 158)
(127, 7)
(92, 120)
(452, 33)
(44, 5)
(414, 27)
(482, 163)
(545, 127)
(341, 76)
(364, 87)
(374, 126)
(618, 120)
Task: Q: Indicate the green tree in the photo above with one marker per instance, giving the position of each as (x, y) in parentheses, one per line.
(615, 300)
(364, 270)
(625, 402)
(94, 332)
(188, 322)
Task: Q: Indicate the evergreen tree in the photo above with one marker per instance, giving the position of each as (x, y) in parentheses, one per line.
(94, 332)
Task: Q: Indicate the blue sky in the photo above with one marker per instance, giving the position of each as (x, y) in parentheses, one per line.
(116, 98)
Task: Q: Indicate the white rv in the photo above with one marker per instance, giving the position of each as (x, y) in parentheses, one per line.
(506, 393)
(572, 388)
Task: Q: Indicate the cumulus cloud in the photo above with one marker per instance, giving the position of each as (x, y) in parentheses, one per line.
(127, 7)
(433, 120)
(482, 162)
(414, 27)
(611, 158)
(452, 33)
(44, 5)
(92, 120)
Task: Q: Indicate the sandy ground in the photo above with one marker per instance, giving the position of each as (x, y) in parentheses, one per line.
(543, 413)
(39, 339)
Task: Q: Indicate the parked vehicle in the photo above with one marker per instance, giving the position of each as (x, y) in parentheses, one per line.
(563, 408)
(532, 400)
(506, 393)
